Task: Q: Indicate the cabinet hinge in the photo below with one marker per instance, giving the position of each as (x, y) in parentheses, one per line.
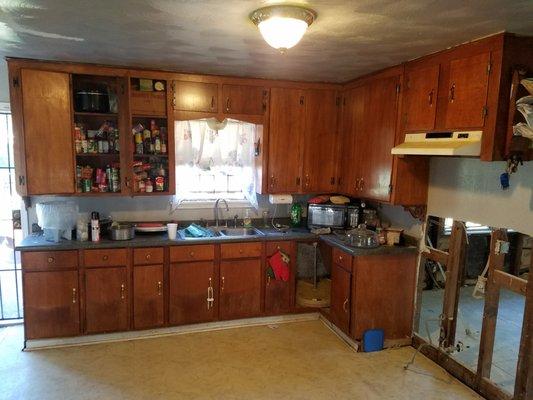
(398, 87)
(484, 111)
(390, 189)
(301, 100)
(489, 68)
(15, 81)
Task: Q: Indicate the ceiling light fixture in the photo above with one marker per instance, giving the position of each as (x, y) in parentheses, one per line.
(282, 26)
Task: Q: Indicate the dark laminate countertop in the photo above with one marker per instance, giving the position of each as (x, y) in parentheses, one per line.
(38, 243)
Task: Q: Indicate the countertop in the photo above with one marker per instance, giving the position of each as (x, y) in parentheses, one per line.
(38, 243)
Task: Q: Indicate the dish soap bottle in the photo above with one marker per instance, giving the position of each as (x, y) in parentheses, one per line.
(247, 222)
(296, 215)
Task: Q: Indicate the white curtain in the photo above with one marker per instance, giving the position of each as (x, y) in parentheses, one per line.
(213, 160)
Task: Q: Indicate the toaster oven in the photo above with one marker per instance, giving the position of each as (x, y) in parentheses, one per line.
(326, 215)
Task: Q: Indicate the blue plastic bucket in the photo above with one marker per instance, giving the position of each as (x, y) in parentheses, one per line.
(373, 340)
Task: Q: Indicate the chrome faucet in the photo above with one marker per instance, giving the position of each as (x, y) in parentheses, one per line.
(216, 210)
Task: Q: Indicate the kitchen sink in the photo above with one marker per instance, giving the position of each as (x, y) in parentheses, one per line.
(240, 232)
(183, 236)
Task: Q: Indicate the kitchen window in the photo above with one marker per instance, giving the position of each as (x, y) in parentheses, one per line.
(215, 160)
(471, 227)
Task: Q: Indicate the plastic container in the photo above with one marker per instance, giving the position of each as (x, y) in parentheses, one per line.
(373, 340)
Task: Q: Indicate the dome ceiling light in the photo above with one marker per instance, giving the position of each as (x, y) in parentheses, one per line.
(282, 26)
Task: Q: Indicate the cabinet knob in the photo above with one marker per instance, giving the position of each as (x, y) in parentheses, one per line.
(105, 257)
(122, 290)
(340, 258)
(222, 286)
(345, 306)
(159, 288)
(191, 254)
(74, 297)
(148, 256)
(50, 260)
(240, 251)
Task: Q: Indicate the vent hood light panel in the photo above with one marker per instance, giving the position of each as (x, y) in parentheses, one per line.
(460, 143)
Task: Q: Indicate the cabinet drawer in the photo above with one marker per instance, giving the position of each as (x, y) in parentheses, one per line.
(148, 103)
(43, 260)
(204, 252)
(148, 255)
(241, 250)
(106, 257)
(342, 259)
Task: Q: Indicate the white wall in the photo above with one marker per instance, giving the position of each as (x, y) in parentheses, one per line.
(469, 190)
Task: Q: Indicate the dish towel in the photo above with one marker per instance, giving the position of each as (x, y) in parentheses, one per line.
(279, 262)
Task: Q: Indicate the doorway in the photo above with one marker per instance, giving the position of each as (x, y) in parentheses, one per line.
(10, 229)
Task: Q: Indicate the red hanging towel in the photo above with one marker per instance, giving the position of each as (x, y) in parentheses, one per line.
(280, 265)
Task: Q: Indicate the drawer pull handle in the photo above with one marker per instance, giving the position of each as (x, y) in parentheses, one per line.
(268, 280)
(50, 260)
(191, 254)
(105, 257)
(222, 286)
(340, 258)
(74, 297)
(159, 288)
(345, 306)
(122, 290)
(240, 251)
(148, 256)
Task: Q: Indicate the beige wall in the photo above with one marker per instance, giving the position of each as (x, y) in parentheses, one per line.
(468, 189)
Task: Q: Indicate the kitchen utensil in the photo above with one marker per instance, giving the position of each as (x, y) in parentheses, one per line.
(92, 101)
(363, 238)
(122, 231)
(172, 231)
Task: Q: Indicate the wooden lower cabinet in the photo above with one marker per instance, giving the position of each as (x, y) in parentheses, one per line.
(340, 297)
(279, 294)
(148, 296)
(51, 304)
(383, 290)
(190, 285)
(106, 299)
(240, 288)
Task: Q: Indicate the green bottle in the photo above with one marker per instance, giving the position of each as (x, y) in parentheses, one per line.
(296, 215)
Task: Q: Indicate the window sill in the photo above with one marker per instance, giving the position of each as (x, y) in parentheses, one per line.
(209, 204)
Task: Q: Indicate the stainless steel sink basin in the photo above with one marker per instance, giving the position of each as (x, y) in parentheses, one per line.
(240, 232)
(182, 236)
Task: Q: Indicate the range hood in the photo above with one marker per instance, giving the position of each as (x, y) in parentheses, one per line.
(459, 143)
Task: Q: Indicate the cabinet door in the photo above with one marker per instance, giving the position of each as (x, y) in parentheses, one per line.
(148, 296)
(340, 297)
(51, 304)
(278, 293)
(191, 284)
(240, 288)
(241, 99)
(287, 121)
(354, 140)
(383, 295)
(106, 298)
(467, 92)
(380, 121)
(195, 96)
(420, 98)
(320, 141)
(48, 132)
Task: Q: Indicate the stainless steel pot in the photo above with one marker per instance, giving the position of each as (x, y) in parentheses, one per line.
(122, 231)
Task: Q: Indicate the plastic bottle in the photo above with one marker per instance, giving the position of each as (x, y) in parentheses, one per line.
(95, 226)
(247, 219)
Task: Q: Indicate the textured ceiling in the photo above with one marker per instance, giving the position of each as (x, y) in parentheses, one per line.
(349, 38)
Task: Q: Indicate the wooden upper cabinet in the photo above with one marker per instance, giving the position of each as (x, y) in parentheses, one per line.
(467, 92)
(195, 96)
(243, 99)
(320, 141)
(51, 304)
(353, 140)
(420, 98)
(48, 137)
(287, 122)
(380, 119)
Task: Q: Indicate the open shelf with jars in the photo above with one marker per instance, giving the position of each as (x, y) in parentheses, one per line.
(96, 132)
(150, 143)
